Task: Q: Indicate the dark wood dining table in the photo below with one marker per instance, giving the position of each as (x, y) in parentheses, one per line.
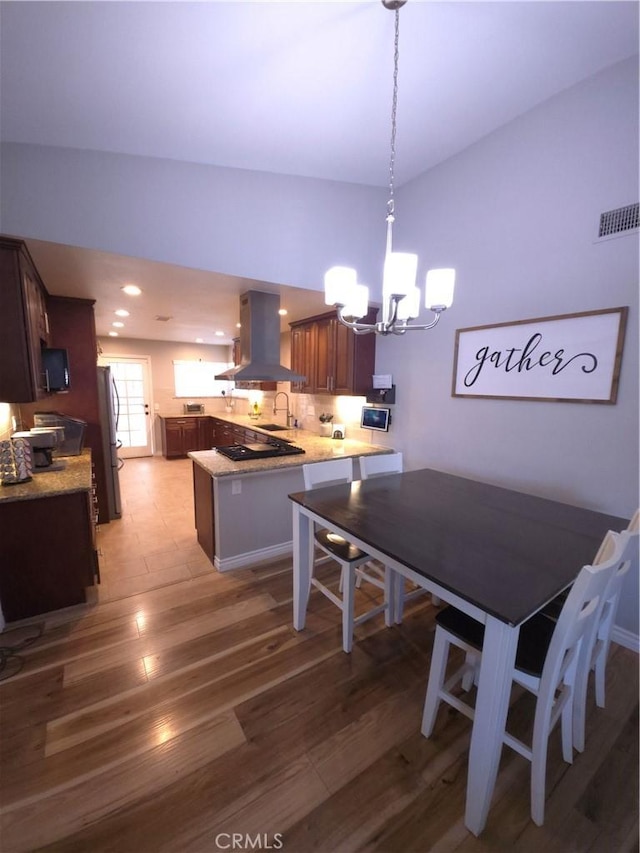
(497, 554)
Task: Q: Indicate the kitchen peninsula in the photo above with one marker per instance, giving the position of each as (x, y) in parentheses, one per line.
(242, 512)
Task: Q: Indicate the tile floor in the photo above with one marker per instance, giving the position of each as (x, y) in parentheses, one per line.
(154, 543)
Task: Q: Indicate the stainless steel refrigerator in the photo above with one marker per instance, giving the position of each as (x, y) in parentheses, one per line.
(109, 413)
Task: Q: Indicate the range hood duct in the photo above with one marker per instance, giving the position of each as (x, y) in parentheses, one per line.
(260, 341)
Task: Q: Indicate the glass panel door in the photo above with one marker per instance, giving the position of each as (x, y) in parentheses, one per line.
(131, 378)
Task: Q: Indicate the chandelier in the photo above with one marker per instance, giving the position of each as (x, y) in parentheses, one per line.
(401, 297)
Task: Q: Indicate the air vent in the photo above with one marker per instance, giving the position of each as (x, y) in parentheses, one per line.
(163, 319)
(619, 221)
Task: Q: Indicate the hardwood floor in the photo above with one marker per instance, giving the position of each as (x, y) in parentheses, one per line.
(182, 708)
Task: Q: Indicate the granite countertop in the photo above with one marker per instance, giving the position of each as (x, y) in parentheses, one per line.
(317, 449)
(180, 415)
(75, 476)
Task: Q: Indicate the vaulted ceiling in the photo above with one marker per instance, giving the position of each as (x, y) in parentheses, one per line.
(300, 88)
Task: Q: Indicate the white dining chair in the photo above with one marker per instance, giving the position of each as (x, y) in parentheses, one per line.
(605, 620)
(352, 560)
(548, 657)
(379, 466)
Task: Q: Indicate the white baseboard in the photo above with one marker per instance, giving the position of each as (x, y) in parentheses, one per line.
(625, 638)
(240, 561)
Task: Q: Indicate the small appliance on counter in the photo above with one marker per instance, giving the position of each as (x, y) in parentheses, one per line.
(193, 408)
(259, 450)
(15, 461)
(43, 442)
(73, 431)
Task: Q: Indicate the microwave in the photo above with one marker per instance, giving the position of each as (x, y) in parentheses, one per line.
(193, 408)
(55, 365)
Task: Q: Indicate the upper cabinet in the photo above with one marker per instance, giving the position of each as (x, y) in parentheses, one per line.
(334, 360)
(25, 323)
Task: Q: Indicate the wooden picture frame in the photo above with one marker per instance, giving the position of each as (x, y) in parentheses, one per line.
(571, 358)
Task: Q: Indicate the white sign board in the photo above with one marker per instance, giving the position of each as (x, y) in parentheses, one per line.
(572, 358)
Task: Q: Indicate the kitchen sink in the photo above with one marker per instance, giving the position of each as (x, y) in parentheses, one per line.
(272, 427)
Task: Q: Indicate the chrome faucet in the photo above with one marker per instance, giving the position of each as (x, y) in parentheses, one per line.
(287, 409)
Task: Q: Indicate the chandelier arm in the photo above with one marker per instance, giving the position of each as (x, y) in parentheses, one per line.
(358, 328)
(423, 327)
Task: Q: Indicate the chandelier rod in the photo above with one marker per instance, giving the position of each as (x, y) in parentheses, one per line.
(394, 112)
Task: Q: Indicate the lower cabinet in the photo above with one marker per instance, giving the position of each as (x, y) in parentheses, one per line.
(180, 436)
(225, 433)
(205, 433)
(222, 433)
(48, 554)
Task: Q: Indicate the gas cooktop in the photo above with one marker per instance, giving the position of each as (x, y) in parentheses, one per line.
(240, 452)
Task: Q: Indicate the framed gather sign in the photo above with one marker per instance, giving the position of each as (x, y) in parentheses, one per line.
(569, 358)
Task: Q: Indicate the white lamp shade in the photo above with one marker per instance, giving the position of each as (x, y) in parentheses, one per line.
(409, 307)
(439, 288)
(358, 301)
(339, 283)
(400, 270)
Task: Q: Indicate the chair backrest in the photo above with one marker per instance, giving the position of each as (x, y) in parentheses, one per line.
(627, 540)
(330, 473)
(377, 466)
(577, 624)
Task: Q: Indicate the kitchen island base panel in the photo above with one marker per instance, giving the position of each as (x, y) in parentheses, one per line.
(245, 519)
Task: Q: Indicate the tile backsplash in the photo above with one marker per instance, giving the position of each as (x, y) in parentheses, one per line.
(8, 411)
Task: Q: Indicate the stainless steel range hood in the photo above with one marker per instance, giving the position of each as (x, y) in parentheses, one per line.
(260, 341)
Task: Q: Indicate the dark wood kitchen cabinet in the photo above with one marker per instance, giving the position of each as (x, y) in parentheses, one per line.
(25, 331)
(73, 327)
(179, 436)
(48, 553)
(222, 433)
(205, 433)
(334, 360)
(225, 433)
(303, 349)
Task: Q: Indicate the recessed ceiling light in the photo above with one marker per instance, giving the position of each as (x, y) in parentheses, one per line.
(131, 290)
(121, 312)
(283, 312)
(118, 324)
(219, 334)
(238, 325)
(199, 341)
(113, 334)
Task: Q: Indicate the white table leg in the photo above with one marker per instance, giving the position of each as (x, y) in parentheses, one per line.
(492, 703)
(301, 566)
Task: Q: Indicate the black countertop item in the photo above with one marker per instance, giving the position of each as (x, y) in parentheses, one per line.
(259, 450)
(507, 552)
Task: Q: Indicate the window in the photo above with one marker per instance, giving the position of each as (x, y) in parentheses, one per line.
(197, 378)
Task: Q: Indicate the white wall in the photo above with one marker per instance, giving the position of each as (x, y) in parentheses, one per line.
(256, 225)
(517, 215)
